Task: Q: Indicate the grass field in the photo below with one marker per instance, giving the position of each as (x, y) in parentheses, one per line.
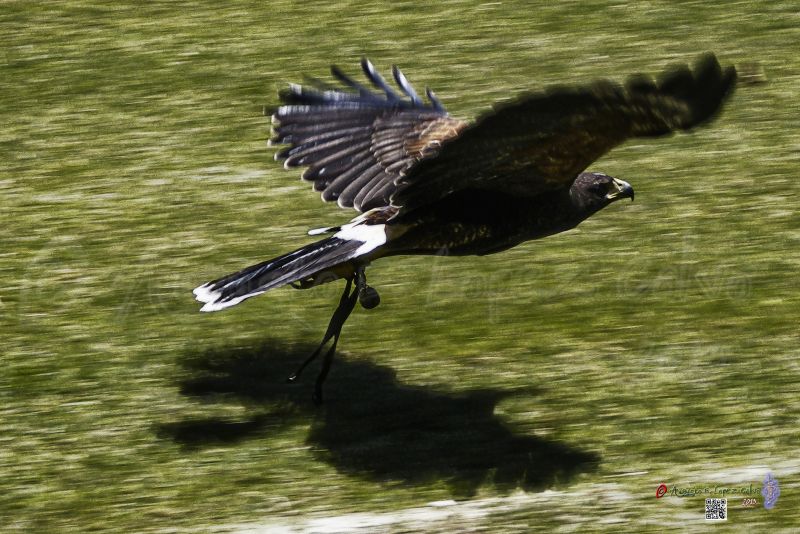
(552, 387)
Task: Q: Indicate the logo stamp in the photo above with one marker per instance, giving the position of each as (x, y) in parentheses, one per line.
(771, 491)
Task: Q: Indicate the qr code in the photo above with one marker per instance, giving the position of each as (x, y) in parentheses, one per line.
(716, 509)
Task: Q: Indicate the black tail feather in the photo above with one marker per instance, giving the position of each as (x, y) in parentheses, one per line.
(294, 266)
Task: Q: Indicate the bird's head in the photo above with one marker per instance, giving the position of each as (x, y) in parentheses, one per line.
(593, 191)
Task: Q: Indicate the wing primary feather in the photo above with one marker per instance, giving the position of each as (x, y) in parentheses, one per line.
(299, 134)
(377, 197)
(323, 180)
(677, 81)
(307, 147)
(641, 83)
(379, 143)
(319, 120)
(328, 157)
(315, 138)
(298, 95)
(397, 167)
(405, 85)
(377, 80)
(319, 150)
(435, 102)
(349, 193)
(341, 182)
(364, 196)
(318, 83)
(348, 81)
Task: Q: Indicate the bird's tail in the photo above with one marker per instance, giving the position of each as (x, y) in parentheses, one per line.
(295, 266)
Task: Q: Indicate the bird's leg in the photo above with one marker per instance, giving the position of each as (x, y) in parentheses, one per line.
(328, 334)
(346, 304)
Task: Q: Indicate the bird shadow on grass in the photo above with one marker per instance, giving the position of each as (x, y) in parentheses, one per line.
(372, 426)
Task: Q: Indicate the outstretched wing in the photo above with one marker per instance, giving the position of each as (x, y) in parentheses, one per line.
(356, 142)
(542, 141)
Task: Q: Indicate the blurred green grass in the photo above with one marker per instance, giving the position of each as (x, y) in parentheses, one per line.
(660, 337)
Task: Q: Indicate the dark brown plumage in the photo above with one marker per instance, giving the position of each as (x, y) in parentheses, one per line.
(431, 184)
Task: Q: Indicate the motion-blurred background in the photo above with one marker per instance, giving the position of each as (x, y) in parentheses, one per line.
(554, 386)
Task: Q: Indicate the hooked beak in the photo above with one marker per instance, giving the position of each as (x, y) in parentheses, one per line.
(622, 189)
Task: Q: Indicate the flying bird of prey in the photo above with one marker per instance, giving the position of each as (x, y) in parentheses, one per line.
(428, 183)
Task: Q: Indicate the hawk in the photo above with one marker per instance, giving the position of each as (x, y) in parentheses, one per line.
(428, 183)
